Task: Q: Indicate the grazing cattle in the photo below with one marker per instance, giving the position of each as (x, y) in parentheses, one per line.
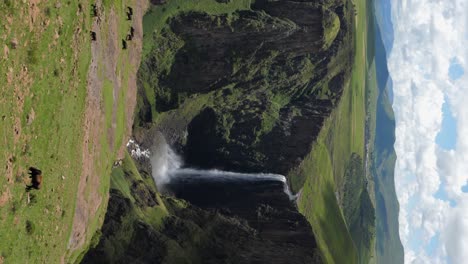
(93, 35)
(131, 34)
(124, 44)
(129, 13)
(36, 179)
(94, 10)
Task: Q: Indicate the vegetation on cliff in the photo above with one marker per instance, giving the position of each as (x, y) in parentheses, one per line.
(334, 169)
(276, 87)
(142, 226)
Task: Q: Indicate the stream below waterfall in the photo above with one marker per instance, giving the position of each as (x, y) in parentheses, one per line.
(228, 190)
(259, 201)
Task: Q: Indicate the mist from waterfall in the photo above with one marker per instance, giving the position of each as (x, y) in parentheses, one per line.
(164, 161)
(167, 164)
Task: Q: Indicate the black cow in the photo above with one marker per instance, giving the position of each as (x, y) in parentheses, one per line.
(93, 36)
(94, 10)
(131, 34)
(129, 13)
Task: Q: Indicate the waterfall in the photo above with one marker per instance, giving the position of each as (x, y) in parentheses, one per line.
(229, 175)
(164, 161)
(167, 165)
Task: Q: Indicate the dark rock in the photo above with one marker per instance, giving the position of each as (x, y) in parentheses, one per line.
(144, 197)
(158, 2)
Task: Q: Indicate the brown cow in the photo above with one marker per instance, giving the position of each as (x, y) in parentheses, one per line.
(36, 179)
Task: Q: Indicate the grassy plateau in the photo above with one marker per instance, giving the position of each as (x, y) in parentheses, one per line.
(44, 69)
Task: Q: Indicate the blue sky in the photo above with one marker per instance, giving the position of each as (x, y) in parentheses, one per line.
(447, 137)
(430, 86)
(456, 70)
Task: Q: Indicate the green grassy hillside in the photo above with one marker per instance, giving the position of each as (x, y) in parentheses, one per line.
(335, 197)
(42, 106)
(45, 113)
(381, 154)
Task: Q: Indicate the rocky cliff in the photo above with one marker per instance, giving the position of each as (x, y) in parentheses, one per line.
(245, 89)
(250, 223)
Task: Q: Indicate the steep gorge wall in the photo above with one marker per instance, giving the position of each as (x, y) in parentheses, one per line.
(247, 91)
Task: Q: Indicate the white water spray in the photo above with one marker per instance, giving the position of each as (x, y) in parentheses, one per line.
(229, 175)
(164, 161)
(136, 151)
(166, 164)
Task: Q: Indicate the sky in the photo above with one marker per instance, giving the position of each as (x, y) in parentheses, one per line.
(428, 65)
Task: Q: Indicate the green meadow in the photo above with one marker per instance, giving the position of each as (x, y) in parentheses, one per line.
(44, 66)
(331, 180)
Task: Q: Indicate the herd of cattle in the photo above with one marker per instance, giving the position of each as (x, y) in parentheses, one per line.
(131, 32)
(36, 174)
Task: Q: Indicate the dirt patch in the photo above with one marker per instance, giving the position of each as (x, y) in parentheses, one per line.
(34, 12)
(9, 169)
(6, 52)
(5, 197)
(30, 117)
(104, 59)
(9, 75)
(17, 129)
(134, 59)
(93, 119)
(111, 54)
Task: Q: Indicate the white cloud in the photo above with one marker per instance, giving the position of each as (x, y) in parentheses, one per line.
(428, 35)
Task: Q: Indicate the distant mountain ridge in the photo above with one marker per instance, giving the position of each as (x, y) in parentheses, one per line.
(383, 16)
(389, 248)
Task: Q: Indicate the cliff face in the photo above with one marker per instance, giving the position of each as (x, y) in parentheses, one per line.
(250, 223)
(247, 91)
(106, 128)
